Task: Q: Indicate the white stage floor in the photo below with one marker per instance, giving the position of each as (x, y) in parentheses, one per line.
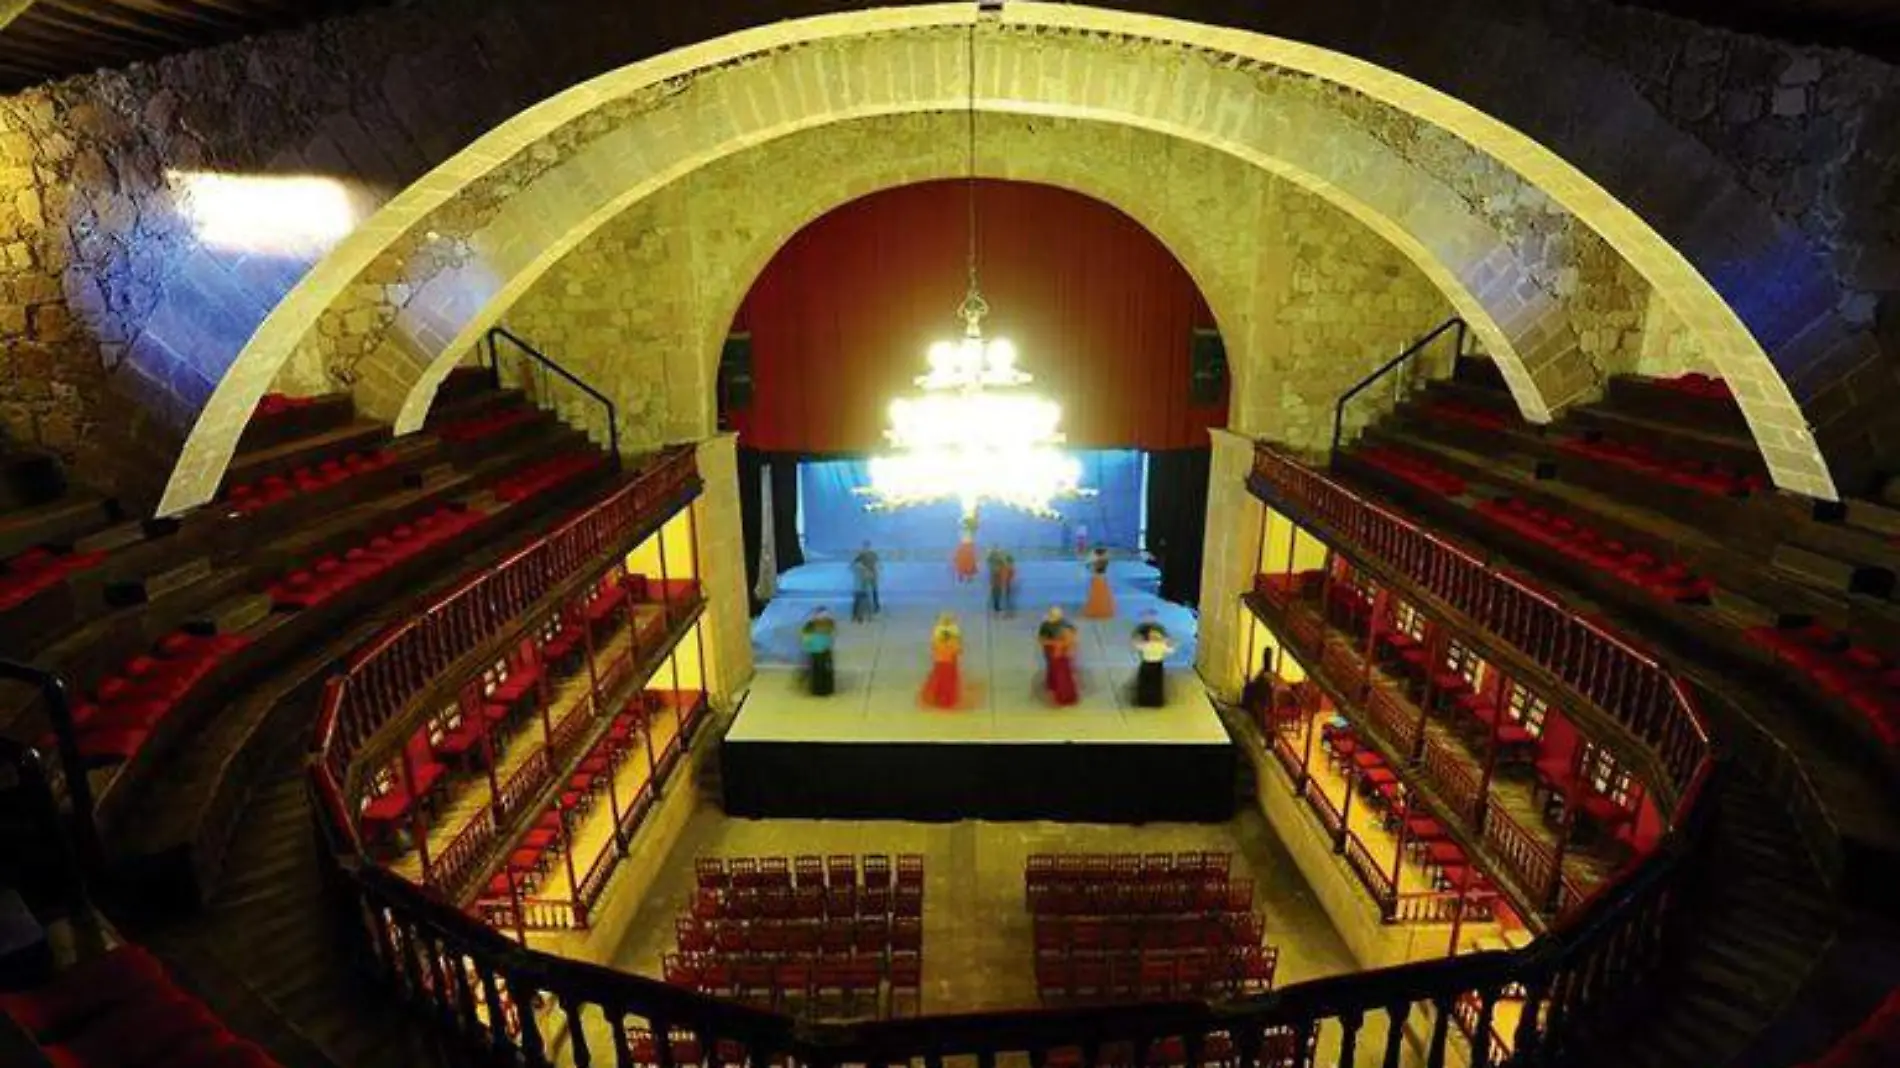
(881, 665)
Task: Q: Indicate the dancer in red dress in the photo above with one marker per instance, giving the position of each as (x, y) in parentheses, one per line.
(944, 687)
(1058, 654)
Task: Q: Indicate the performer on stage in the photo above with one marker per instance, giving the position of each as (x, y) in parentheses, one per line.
(964, 561)
(1058, 656)
(944, 687)
(817, 636)
(1101, 602)
(864, 572)
(1000, 578)
(1152, 646)
(1009, 584)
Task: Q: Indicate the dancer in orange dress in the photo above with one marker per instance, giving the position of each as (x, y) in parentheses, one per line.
(944, 687)
(964, 560)
(1101, 602)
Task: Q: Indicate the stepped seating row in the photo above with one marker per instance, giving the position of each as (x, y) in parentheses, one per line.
(485, 426)
(1665, 580)
(39, 569)
(547, 474)
(276, 404)
(125, 708)
(872, 871)
(1874, 1044)
(1425, 838)
(121, 1010)
(1700, 475)
(1409, 468)
(550, 837)
(1471, 415)
(1082, 869)
(1866, 680)
(867, 936)
(1206, 974)
(332, 575)
(249, 497)
(808, 902)
(1695, 384)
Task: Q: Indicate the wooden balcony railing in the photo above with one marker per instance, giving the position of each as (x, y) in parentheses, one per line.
(381, 680)
(1610, 673)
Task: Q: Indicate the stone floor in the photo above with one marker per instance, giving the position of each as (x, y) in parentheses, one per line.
(978, 952)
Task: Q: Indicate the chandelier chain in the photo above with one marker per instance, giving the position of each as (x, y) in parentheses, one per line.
(974, 306)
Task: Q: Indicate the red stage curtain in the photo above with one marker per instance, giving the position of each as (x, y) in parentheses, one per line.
(1101, 312)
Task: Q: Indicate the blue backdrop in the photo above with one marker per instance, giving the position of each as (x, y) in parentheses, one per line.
(836, 522)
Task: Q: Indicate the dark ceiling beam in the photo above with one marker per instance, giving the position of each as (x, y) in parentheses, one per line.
(85, 17)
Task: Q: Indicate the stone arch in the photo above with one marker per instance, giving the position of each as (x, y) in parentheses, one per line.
(1239, 259)
(1334, 123)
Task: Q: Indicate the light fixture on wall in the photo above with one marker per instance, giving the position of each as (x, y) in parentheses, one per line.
(974, 435)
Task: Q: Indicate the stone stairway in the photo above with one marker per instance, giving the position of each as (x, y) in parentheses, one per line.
(269, 950)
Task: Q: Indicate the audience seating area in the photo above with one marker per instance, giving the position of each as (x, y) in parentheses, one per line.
(485, 426)
(1420, 473)
(1867, 680)
(811, 935)
(1668, 580)
(329, 576)
(1633, 457)
(39, 569)
(121, 1010)
(127, 706)
(1158, 926)
(549, 473)
(248, 497)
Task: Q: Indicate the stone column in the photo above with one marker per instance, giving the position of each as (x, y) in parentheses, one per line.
(728, 620)
(1228, 565)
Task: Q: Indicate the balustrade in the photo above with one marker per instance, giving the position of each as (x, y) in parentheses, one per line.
(1613, 675)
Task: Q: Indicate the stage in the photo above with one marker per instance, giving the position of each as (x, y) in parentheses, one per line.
(872, 750)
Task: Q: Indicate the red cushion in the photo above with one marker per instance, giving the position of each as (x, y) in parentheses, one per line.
(86, 991)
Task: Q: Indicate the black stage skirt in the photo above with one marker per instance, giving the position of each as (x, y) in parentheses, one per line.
(1151, 690)
(823, 681)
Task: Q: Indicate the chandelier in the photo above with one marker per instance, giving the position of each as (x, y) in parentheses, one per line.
(974, 434)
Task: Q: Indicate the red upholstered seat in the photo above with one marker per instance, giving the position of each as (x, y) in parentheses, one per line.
(85, 992)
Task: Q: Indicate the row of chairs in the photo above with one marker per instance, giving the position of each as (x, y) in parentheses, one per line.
(1279, 1048)
(796, 939)
(481, 427)
(1083, 868)
(542, 844)
(1865, 679)
(1413, 470)
(332, 575)
(123, 711)
(1141, 899)
(247, 497)
(1206, 974)
(808, 902)
(872, 871)
(839, 988)
(541, 477)
(1668, 580)
(36, 570)
(1064, 936)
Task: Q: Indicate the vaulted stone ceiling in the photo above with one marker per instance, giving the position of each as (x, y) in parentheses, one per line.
(42, 40)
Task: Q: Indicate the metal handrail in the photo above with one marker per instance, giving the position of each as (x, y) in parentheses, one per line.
(59, 710)
(498, 334)
(1393, 364)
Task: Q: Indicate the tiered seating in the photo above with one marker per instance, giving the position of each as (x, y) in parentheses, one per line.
(121, 1010)
(1413, 469)
(1700, 475)
(39, 569)
(1425, 837)
(331, 575)
(549, 473)
(1116, 927)
(1696, 384)
(1472, 415)
(807, 932)
(1866, 679)
(1668, 580)
(248, 497)
(126, 707)
(271, 405)
(1874, 1044)
(487, 425)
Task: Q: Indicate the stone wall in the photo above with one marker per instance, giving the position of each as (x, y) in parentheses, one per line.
(1773, 168)
(1308, 299)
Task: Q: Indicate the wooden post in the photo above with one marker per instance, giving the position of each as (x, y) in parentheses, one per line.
(1345, 814)
(488, 757)
(1398, 854)
(418, 819)
(573, 883)
(1554, 892)
(1306, 757)
(1458, 913)
(520, 906)
(666, 592)
(1491, 757)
